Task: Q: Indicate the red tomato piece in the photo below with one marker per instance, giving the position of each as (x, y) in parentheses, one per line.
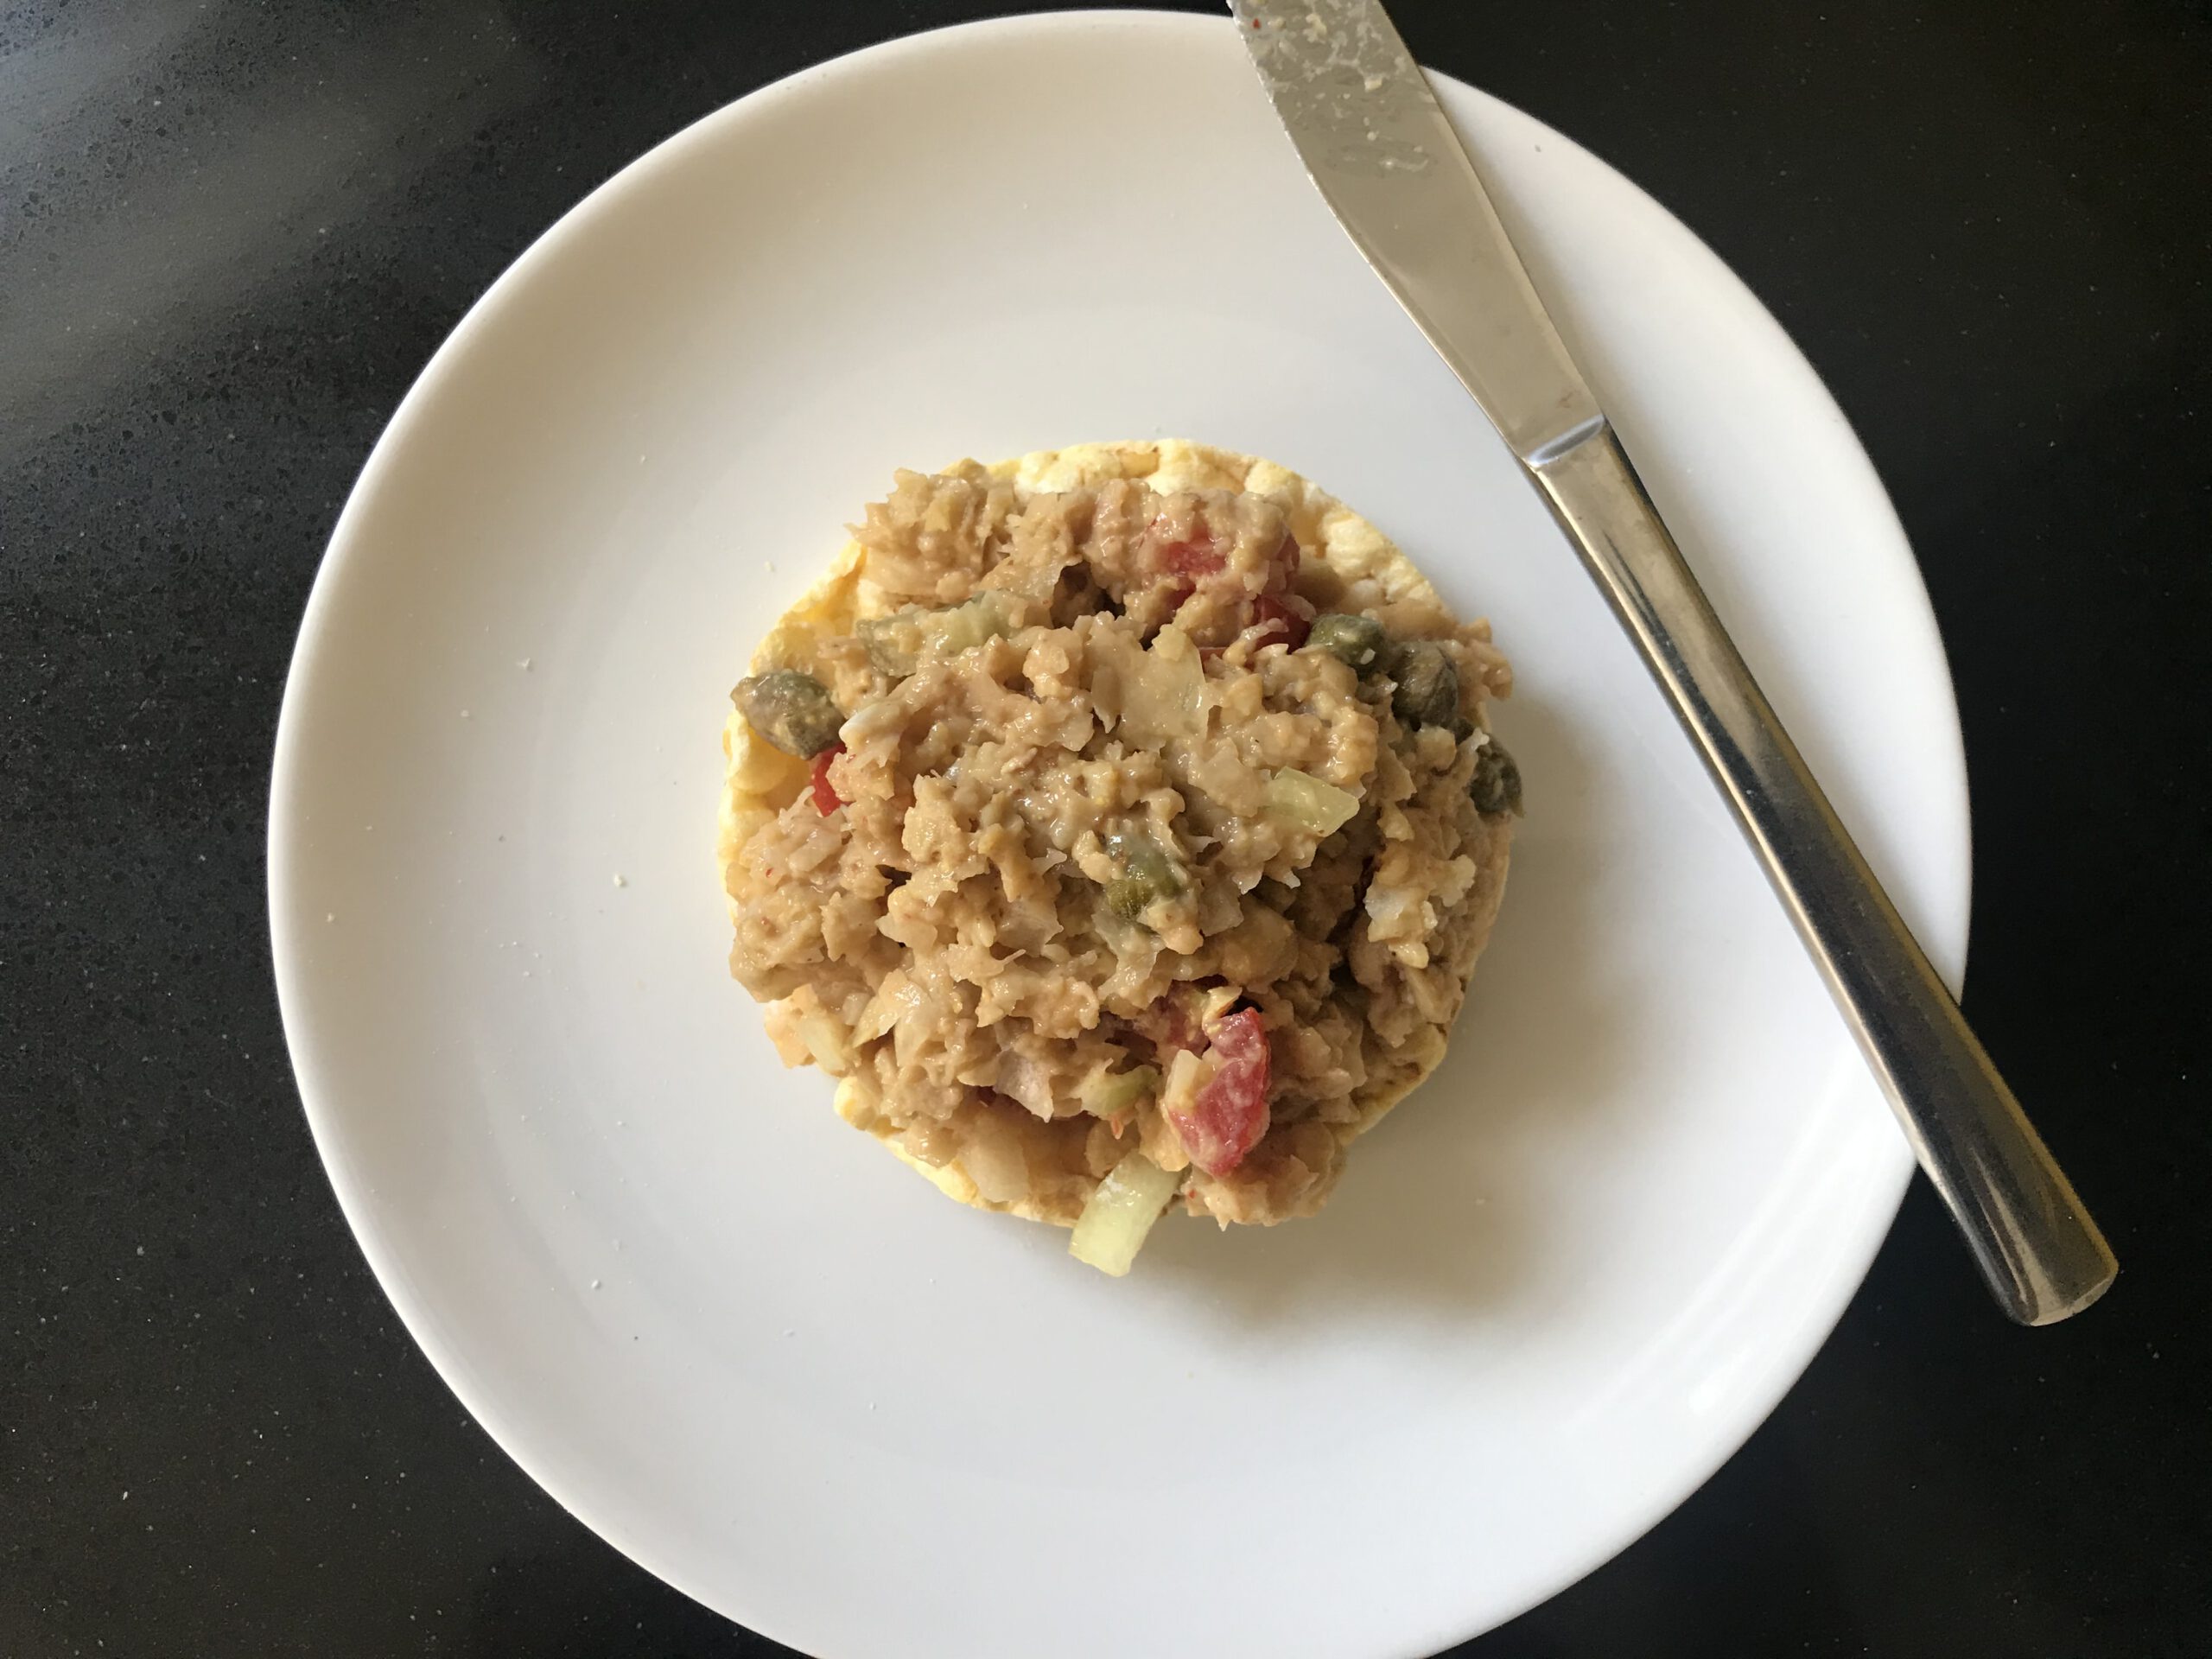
(826, 797)
(1231, 1112)
(1196, 555)
(1281, 619)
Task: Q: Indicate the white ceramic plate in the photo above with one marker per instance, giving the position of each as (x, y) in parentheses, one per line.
(733, 1335)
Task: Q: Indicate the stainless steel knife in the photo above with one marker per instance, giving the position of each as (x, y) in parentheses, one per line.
(1393, 171)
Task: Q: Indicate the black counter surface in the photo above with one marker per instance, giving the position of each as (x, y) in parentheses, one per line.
(230, 235)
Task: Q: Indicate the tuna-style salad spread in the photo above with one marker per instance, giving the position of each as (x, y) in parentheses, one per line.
(1120, 827)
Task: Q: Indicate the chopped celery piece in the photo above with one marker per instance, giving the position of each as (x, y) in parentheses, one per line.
(1114, 1092)
(1121, 1212)
(1303, 799)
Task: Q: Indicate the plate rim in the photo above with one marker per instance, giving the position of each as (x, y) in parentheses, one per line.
(320, 617)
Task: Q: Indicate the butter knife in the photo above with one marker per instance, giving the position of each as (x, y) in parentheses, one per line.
(1394, 173)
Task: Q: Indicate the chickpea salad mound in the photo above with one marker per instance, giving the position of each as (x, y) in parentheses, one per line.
(1120, 826)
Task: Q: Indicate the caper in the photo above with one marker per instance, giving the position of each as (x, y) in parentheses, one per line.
(1496, 783)
(1356, 641)
(1126, 896)
(791, 709)
(1148, 875)
(1427, 692)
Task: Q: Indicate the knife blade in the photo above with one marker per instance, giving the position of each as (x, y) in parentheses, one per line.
(1393, 169)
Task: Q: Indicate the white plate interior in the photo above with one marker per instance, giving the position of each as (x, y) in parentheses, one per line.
(735, 1337)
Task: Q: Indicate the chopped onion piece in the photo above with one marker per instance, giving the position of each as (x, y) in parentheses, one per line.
(825, 1039)
(992, 1158)
(1302, 799)
(893, 997)
(1160, 691)
(1121, 1212)
(1026, 1080)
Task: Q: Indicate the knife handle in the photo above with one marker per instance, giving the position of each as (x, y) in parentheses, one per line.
(2041, 1254)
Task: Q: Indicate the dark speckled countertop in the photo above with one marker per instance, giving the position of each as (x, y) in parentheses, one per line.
(232, 232)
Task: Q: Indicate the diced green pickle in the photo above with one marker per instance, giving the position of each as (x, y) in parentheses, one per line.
(895, 643)
(1497, 785)
(791, 709)
(892, 642)
(1356, 641)
(1427, 685)
(963, 626)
